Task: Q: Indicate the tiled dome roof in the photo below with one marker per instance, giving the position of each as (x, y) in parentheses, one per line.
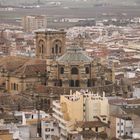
(75, 54)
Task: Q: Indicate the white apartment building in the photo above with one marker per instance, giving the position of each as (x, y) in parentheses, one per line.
(30, 116)
(124, 127)
(34, 22)
(49, 129)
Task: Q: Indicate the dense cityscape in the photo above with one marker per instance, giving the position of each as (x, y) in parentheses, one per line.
(69, 70)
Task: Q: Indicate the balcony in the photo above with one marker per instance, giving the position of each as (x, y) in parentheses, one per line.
(63, 133)
(62, 126)
(59, 118)
(57, 111)
(56, 104)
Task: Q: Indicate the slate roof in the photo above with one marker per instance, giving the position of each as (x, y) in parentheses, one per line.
(74, 54)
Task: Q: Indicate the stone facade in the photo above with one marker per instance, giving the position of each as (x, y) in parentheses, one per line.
(50, 44)
(76, 69)
(18, 73)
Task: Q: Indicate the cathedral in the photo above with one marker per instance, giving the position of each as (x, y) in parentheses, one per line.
(70, 66)
(56, 66)
(56, 69)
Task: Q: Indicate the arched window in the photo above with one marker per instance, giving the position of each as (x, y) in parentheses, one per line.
(56, 48)
(41, 46)
(74, 70)
(87, 70)
(57, 45)
(14, 86)
(61, 70)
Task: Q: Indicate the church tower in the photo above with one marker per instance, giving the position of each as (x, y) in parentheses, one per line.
(50, 44)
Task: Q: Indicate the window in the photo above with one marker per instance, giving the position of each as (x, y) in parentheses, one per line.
(59, 49)
(89, 83)
(61, 70)
(77, 83)
(96, 129)
(60, 83)
(71, 83)
(118, 131)
(52, 129)
(14, 86)
(42, 48)
(87, 70)
(57, 44)
(74, 70)
(104, 119)
(56, 49)
(53, 50)
(74, 83)
(47, 129)
(46, 136)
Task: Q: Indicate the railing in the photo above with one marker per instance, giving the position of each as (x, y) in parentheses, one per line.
(59, 118)
(57, 105)
(57, 111)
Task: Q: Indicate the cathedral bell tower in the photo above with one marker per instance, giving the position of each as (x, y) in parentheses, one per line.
(50, 44)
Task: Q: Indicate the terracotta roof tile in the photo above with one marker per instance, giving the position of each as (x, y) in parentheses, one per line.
(11, 63)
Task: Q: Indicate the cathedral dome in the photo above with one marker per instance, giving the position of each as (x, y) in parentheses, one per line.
(74, 54)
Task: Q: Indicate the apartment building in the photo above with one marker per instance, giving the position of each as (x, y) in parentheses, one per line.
(34, 22)
(49, 129)
(121, 127)
(75, 111)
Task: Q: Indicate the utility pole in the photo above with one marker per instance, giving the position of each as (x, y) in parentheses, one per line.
(38, 118)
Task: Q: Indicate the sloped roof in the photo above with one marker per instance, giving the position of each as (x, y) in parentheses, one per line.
(11, 63)
(74, 54)
(91, 124)
(92, 134)
(31, 68)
